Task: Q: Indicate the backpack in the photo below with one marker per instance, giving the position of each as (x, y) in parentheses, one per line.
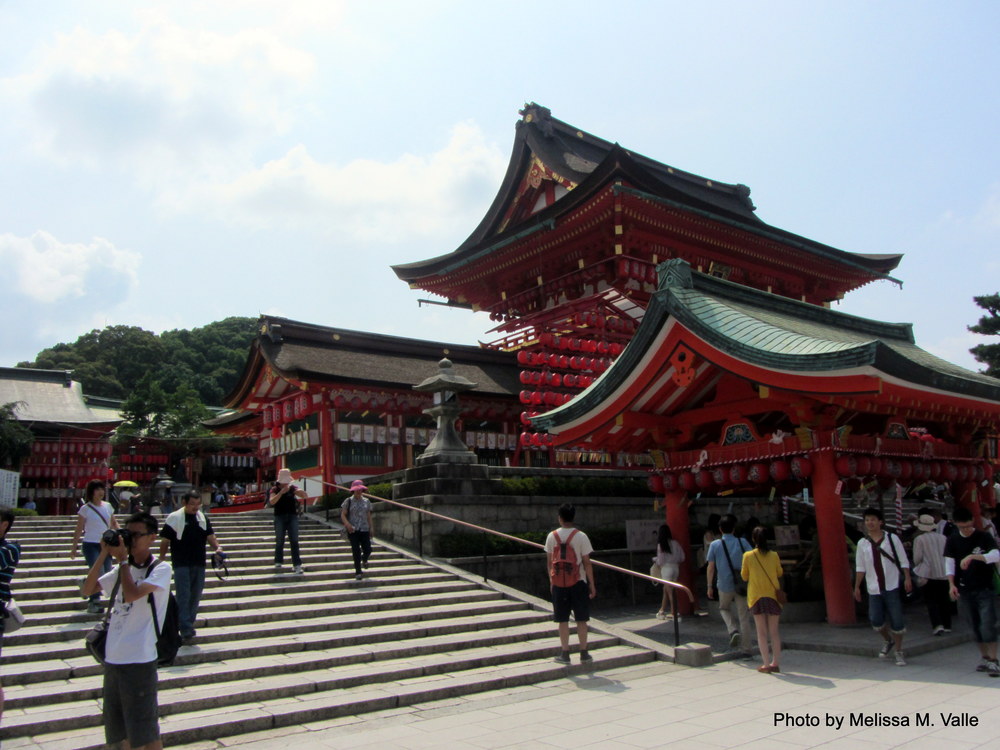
(565, 570)
(168, 637)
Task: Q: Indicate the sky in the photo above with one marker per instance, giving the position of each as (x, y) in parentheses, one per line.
(169, 164)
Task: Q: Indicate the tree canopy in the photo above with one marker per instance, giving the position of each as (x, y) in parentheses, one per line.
(989, 325)
(15, 438)
(111, 362)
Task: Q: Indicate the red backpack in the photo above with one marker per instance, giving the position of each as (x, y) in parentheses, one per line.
(565, 570)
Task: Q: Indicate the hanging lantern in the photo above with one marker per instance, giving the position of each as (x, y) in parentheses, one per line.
(891, 467)
(846, 466)
(802, 467)
(934, 470)
(877, 465)
(977, 473)
(905, 471)
(275, 432)
(703, 479)
(670, 482)
(289, 410)
(919, 471)
(950, 471)
(525, 377)
(779, 470)
(738, 474)
(863, 465)
(758, 473)
(963, 472)
(687, 481)
(266, 415)
(655, 483)
(720, 476)
(524, 357)
(524, 397)
(339, 402)
(525, 438)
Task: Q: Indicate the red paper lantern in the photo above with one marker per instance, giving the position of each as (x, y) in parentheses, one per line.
(525, 438)
(687, 481)
(525, 377)
(703, 479)
(780, 470)
(738, 474)
(977, 473)
(670, 482)
(802, 467)
(892, 468)
(524, 357)
(276, 432)
(863, 465)
(905, 470)
(846, 466)
(934, 470)
(720, 476)
(950, 471)
(758, 473)
(655, 483)
(963, 472)
(877, 464)
(266, 414)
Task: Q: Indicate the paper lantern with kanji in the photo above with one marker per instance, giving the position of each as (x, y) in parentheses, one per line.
(655, 483)
(758, 473)
(846, 466)
(703, 479)
(877, 464)
(670, 482)
(934, 470)
(687, 481)
(949, 471)
(802, 467)
(963, 472)
(720, 475)
(863, 465)
(779, 470)
(905, 471)
(978, 473)
(738, 474)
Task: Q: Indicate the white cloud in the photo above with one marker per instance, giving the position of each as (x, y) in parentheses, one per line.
(364, 199)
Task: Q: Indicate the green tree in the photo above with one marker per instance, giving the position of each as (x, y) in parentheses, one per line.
(15, 438)
(988, 325)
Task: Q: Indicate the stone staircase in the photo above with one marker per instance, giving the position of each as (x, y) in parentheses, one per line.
(278, 649)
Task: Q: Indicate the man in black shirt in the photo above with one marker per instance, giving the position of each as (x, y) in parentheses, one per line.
(969, 557)
(185, 533)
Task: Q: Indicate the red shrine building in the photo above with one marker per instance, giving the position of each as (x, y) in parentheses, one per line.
(653, 314)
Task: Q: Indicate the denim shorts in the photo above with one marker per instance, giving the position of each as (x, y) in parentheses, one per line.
(888, 604)
(978, 608)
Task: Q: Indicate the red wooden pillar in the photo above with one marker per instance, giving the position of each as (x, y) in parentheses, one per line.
(677, 519)
(326, 442)
(832, 543)
(967, 496)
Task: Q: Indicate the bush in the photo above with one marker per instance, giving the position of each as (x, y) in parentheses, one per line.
(24, 512)
(336, 499)
(575, 487)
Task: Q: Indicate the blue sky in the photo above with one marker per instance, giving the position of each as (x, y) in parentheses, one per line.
(167, 164)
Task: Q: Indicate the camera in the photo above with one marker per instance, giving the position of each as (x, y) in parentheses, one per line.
(111, 536)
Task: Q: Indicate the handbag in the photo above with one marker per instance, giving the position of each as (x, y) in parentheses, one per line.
(779, 595)
(14, 617)
(738, 582)
(96, 639)
(654, 571)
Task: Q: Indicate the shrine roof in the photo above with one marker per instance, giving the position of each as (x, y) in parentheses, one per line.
(52, 396)
(590, 163)
(312, 353)
(780, 335)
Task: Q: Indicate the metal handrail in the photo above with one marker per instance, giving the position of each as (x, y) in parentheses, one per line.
(484, 530)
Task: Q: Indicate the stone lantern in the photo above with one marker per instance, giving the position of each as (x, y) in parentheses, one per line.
(447, 446)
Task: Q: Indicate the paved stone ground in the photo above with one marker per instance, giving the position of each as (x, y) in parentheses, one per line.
(725, 705)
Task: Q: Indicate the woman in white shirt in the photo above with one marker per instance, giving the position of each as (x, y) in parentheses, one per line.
(669, 556)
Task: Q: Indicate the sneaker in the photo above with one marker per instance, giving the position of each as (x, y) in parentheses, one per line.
(939, 630)
(357, 577)
(364, 563)
(947, 630)
(586, 657)
(885, 650)
(277, 567)
(993, 669)
(95, 608)
(983, 666)
(299, 569)
(563, 658)
(900, 661)
(734, 639)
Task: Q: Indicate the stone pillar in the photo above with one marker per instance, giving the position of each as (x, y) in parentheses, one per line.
(832, 543)
(680, 527)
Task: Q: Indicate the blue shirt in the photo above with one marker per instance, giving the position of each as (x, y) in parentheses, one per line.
(717, 554)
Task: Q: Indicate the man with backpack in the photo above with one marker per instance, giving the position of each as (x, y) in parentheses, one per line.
(881, 562)
(130, 679)
(571, 576)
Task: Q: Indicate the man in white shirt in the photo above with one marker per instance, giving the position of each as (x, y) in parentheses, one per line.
(576, 596)
(130, 679)
(881, 561)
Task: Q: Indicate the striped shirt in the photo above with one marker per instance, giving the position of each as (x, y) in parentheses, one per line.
(10, 555)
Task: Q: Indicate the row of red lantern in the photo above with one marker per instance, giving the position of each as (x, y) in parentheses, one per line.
(736, 475)
(36, 471)
(549, 398)
(555, 379)
(289, 410)
(536, 439)
(143, 459)
(636, 269)
(587, 346)
(906, 470)
(88, 448)
(562, 361)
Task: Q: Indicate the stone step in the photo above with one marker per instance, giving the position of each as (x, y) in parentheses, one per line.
(313, 701)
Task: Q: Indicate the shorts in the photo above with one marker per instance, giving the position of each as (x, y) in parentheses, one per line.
(978, 608)
(575, 598)
(888, 604)
(766, 606)
(130, 706)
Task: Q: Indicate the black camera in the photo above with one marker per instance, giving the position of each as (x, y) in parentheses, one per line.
(111, 536)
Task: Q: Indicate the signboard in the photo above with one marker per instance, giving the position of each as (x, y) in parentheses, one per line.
(641, 535)
(786, 536)
(9, 483)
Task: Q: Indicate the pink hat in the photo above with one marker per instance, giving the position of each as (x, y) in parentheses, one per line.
(357, 484)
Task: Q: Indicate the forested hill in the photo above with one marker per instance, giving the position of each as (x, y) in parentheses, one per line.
(110, 362)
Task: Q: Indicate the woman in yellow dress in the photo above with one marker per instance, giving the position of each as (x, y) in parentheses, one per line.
(762, 570)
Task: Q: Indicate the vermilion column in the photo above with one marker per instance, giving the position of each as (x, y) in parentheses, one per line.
(680, 528)
(967, 495)
(832, 542)
(326, 444)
